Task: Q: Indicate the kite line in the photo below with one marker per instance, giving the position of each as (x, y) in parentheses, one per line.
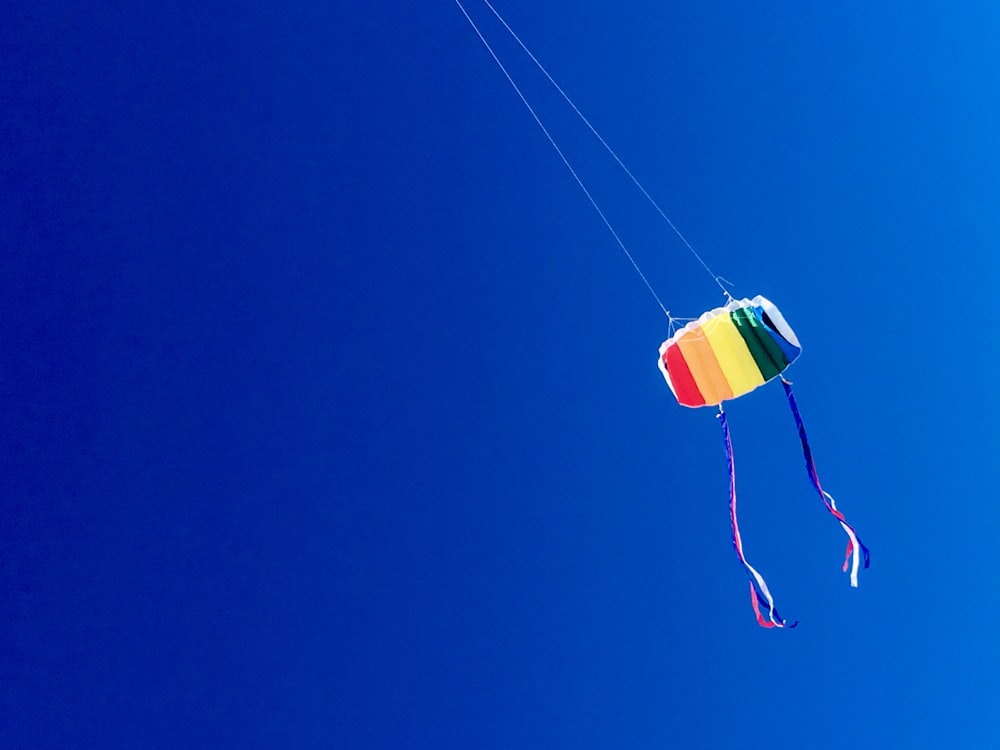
(718, 279)
(562, 156)
(715, 277)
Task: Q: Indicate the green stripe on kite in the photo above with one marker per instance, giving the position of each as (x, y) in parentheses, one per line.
(766, 353)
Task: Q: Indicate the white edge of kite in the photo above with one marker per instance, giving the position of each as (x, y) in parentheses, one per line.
(778, 319)
(663, 368)
(759, 301)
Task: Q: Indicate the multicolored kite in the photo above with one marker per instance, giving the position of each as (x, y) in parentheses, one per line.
(724, 354)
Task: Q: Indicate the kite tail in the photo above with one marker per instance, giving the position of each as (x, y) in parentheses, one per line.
(857, 553)
(760, 596)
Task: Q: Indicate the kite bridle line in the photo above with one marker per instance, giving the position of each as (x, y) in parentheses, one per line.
(715, 277)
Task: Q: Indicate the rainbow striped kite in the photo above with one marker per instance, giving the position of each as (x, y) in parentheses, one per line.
(725, 354)
(728, 352)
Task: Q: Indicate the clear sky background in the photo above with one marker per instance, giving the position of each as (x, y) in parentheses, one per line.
(330, 410)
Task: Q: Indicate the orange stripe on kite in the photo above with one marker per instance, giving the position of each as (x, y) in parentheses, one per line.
(704, 367)
(685, 387)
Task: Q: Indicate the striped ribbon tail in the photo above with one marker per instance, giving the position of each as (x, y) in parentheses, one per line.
(857, 555)
(760, 596)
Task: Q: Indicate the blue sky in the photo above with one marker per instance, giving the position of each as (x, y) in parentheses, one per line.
(331, 410)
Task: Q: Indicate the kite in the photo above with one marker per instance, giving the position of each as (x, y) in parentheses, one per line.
(725, 354)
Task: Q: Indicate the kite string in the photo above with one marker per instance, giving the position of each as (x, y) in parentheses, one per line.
(562, 156)
(715, 277)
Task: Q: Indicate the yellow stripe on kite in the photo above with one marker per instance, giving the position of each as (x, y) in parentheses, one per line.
(735, 359)
(704, 366)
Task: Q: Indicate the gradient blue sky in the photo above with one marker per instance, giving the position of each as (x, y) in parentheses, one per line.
(331, 415)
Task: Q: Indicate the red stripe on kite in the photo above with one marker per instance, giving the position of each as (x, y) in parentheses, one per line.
(680, 376)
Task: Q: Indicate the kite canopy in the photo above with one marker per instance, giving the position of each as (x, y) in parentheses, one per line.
(728, 352)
